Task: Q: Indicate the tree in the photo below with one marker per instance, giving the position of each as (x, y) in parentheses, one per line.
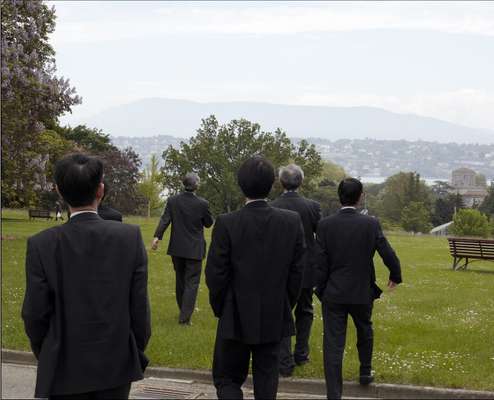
(217, 151)
(122, 174)
(33, 97)
(151, 186)
(92, 140)
(415, 217)
(487, 205)
(399, 191)
(469, 222)
(445, 208)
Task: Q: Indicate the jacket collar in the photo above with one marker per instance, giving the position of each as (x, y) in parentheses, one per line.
(291, 193)
(257, 204)
(347, 211)
(85, 217)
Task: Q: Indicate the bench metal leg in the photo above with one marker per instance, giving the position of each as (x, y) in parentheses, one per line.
(456, 263)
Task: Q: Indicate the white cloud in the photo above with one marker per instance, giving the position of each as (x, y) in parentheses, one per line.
(94, 21)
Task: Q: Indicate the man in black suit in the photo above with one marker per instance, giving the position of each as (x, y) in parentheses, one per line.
(254, 274)
(346, 282)
(86, 309)
(188, 214)
(107, 212)
(291, 178)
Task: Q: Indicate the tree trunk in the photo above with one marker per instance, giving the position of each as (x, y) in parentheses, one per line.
(149, 208)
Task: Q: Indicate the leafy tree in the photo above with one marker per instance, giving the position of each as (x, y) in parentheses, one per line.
(33, 97)
(445, 208)
(91, 139)
(217, 151)
(399, 191)
(122, 174)
(469, 222)
(487, 205)
(415, 217)
(151, 186)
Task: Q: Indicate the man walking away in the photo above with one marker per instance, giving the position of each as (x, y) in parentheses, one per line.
(254, 274)
(291, 178)
(86, 309)
(346, 282)
(188, 214)
(107, 212)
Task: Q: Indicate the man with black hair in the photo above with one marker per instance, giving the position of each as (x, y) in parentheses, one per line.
(291, 178)
(86, 309)
(188, 214)
(254, 274)
(345, 282)
(105, 211)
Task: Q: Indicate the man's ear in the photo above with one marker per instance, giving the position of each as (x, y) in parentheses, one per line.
(100, 192)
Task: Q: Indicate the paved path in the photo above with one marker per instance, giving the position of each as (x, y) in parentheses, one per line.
(18, 383)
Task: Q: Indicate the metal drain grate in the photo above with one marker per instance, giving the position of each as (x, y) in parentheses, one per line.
(154, 392)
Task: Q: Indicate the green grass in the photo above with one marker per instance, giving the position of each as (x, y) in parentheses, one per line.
(436, 329)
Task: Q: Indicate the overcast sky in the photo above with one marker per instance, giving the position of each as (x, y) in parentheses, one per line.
(432, 58)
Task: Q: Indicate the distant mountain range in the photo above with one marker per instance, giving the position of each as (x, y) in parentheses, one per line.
(181, 118)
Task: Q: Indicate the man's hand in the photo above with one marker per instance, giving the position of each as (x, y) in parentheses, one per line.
(391, 285)
(154, 244)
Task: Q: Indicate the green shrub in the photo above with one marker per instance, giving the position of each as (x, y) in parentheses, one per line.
(469, 222)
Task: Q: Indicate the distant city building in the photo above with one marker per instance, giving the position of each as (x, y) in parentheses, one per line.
(468, 184)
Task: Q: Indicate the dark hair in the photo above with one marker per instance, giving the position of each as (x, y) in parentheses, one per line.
(349, 191)
(77, 177)
(191, 181)
(256, 177)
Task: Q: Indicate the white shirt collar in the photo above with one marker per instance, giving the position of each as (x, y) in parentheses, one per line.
(82, 212)
(251, 201)
(343, 208)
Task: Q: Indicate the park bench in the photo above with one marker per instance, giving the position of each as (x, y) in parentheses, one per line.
(36, 213)
(470, 248)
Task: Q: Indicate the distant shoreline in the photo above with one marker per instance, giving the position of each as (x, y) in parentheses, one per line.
(428, 181)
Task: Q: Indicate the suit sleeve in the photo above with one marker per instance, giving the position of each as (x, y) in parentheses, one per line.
(323, 262)
(165, 221)
(38, 303)
(218, 267)
(140, 314)
(207, 219)
(388, 255)
(296, 272)
(317, 216)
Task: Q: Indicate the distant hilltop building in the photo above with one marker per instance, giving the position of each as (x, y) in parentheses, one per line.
(471, 186)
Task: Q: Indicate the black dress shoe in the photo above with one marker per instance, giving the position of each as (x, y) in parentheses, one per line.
(286, 373)
(302, 361)
(366, 379)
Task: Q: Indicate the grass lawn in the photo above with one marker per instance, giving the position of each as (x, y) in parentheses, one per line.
(437, 328)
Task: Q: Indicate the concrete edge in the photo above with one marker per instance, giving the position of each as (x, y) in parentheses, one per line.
(297, 385)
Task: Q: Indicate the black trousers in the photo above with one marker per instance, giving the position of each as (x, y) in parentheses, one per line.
(304, 315)
(121, 392)
(231, 365)
(187, 278)
(335, 318)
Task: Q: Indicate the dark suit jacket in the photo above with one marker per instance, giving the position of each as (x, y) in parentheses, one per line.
(254, 272)
(86, 309)
(347, 243)
(310, 212)
(188, 214)
(109, 213)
